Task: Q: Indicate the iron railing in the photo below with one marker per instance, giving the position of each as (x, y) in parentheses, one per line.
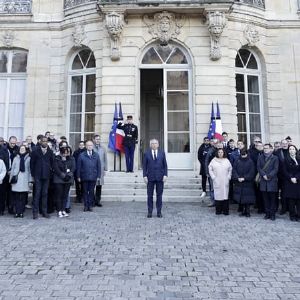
(73, 3)
(15, 6)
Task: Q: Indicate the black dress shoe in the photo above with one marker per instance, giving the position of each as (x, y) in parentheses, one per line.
(90, 209)
(159, 215)
(149, 215)
(21, 216)
(293, 219)
(266, 217)
(272, 218)
(99, 204)
(68, 210)
(35, 216)
(16, 216)
(47, 216)
(1, 213)
(282, 212)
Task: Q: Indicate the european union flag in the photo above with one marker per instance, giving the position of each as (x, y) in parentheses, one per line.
(212, 126)
(112, 134)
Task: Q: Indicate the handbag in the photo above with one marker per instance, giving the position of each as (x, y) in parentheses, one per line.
(258, 177)
(14, 179)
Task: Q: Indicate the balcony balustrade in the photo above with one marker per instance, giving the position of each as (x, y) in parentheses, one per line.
(15, 6)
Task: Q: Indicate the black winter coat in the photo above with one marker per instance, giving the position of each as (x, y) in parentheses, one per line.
(41, 165)
(243, 192)
(291, 170)
(270, 185)
(202, 152)
(60, 167)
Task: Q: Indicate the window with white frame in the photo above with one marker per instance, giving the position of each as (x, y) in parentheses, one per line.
(82, 94)
(13, 67)
(249, 96)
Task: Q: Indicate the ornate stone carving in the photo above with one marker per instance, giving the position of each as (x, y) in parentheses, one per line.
(8, 39)
(216, 23)
(78, 35)
(164, 26)
(15, 6)
(114, 25)
(251, 34)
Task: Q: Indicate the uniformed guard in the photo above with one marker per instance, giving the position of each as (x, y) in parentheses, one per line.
(129, 141)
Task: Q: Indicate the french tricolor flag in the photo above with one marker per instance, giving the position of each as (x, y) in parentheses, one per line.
(120, 132)
(218, 129)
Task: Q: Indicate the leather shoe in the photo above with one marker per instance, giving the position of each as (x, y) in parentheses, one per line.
(47, 216)
(90, 209)
(272, 218)
(159, 215)
(266, 217)
(35, 216)
(149, 216)
(99, 204)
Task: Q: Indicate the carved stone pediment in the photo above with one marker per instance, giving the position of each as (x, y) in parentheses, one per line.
(164, 26)
(78, 35)
(251, 34)
(216, 22)
(114, 25)
(8, 39)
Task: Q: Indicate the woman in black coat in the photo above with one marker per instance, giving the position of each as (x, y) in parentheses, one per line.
(63, 176)
(243, 174)
(291, 172)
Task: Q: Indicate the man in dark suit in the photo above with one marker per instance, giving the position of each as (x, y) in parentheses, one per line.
(41, 165)
(155, 173)
(129, 141)
(88, 172)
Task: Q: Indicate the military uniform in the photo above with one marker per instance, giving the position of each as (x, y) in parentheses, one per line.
(129, 141)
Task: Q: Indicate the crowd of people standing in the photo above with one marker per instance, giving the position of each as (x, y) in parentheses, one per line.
(264, 175)
(49, 168)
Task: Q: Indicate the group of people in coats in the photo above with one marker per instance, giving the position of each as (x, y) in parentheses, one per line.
(258, 176)
(51, 169)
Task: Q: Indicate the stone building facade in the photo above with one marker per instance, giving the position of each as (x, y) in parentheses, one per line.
(64, 64)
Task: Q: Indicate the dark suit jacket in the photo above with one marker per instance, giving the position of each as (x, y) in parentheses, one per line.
(41, 165)
(88, 168)
(155, 170)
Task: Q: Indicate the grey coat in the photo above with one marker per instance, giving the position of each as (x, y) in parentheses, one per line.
(103, 159)
(24, 178)
(270, 185)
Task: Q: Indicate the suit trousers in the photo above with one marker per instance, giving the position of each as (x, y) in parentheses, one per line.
(19, 199)
(203, 182)
(270, 203)
(159, 185)
(40, 195)
(222, 207)
(294, 208)
(88, 193)
(129, 155)
(98, 194)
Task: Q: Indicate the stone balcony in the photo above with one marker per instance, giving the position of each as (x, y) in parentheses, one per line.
(68, 4)
(15, 7)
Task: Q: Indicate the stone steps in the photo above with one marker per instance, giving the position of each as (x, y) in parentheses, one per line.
(181, 186)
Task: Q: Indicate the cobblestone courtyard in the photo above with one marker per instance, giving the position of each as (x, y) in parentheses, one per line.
(115, 252)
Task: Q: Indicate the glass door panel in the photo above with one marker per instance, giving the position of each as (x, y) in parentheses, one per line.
(177, 119)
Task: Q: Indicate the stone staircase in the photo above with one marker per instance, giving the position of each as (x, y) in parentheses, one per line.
(181, 186)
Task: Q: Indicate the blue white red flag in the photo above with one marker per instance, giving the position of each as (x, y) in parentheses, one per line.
(120, 132)
(218, 128)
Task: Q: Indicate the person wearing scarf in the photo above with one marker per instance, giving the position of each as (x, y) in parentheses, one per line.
(267, 166)
(21, 169)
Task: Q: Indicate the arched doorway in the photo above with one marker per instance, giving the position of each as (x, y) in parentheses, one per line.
(166, 103)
